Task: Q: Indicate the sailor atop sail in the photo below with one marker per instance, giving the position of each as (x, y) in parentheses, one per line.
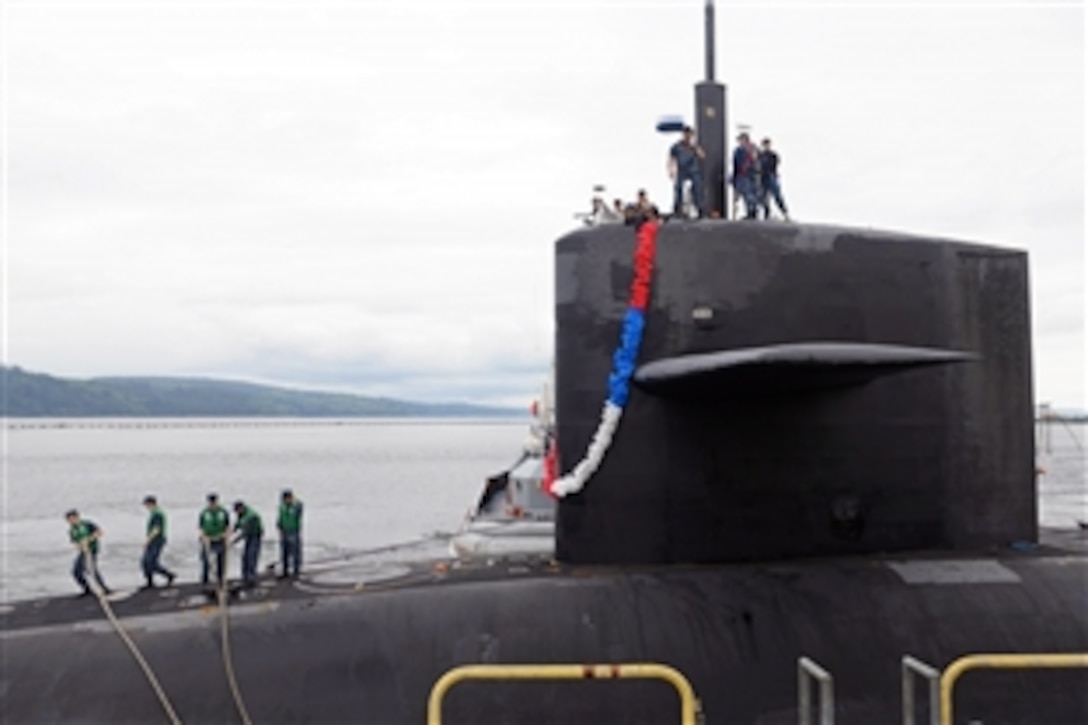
(769, 185)
(248, 528)
(213, 523)
(154, 543)
(686, 165)
(289, 524)
(641, 211)
(84, 535)
(745, 175)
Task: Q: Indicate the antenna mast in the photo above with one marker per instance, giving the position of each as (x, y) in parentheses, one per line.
(709, 40)
(710, 126)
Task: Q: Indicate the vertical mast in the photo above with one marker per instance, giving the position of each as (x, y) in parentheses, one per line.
(708, 44)
(710, 125)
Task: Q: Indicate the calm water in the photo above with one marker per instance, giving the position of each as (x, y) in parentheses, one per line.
(364, 483)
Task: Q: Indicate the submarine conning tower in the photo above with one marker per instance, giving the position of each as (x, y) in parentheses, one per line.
(800, 391)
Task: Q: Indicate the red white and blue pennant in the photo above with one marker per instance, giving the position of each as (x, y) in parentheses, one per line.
(623, 366)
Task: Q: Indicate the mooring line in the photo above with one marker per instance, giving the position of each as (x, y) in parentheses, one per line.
(89, 566)
(224, 632)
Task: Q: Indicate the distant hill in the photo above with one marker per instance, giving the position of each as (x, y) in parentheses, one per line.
(25, 394)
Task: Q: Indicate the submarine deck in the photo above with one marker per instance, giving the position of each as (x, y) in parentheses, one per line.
(362, 575)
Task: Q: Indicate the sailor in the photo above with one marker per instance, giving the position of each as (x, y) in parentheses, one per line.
(745, 175)
(153, 545)
(642, 210)
(248, 528)
(617, 210)
(84, 536)
(213, 524)
(289, 524)
(686, 164)
(770, 188)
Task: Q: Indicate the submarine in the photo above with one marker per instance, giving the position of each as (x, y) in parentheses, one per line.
(794, 466)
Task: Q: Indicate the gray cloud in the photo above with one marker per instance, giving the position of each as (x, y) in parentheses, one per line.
(364, 195)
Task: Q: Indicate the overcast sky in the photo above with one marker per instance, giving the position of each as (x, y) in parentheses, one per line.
(363, 196)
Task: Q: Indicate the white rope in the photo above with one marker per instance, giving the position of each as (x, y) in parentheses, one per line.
(602, 439)
(224, 618)
(92, 580)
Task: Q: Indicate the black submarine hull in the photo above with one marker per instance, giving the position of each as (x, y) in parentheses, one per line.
(827, 453)
(323, 655)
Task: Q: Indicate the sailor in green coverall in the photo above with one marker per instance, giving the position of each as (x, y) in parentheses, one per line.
(84, 535)
(290, 526)
(248, 528)
(213, 524)
(154, 543)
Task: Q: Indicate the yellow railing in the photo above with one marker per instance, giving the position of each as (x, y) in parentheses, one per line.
(1001, 662)
(689, 704)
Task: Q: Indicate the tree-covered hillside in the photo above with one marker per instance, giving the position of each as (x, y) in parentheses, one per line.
(25, 394)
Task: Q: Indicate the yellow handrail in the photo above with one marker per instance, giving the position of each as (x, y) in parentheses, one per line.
(689, 705)
(1001, 662)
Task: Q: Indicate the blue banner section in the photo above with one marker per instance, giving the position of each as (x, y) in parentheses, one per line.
(625, 357)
